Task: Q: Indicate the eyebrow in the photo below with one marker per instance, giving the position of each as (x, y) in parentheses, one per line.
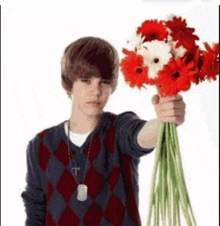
(90, 76)
(86, 76)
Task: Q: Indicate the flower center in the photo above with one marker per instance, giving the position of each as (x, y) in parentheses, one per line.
(200, 63)
(176, 75)
(189, 58)
(156, 60)
(139, 70)
(153, 35)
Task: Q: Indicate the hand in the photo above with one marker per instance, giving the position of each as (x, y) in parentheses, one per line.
(169, 109)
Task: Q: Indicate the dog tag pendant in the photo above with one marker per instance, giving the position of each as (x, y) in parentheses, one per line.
(82, 192)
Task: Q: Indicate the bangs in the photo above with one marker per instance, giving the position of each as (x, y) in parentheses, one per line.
(81, 69)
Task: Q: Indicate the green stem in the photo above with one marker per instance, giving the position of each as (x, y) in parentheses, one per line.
(158, 213)
(154, 206)
(156, 209)
(168, 175)
(173, 126)
(164, 185)
(183, 197)
(178, 209)
(171, 175)
(171, 179)
(161, 187)
(157, 159)
(174, 206)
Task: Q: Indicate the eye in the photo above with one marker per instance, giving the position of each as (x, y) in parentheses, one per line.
(85, 81)
(106, 82)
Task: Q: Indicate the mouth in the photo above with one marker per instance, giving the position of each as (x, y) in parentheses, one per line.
(96, 104)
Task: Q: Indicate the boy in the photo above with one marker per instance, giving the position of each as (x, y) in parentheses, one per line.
(84, 170)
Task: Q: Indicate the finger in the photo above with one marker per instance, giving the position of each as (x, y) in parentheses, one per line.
(169, 99)
(171, 113)
(155, 99)
(177, 119)
(170, 105)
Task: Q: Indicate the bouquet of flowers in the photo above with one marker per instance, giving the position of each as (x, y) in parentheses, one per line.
(165, 54)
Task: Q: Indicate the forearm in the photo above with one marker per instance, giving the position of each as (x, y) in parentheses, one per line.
(148, 134)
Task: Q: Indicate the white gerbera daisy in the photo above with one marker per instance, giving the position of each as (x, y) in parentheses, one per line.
(177, 52)
(169, 37)
(135, 42)
(169, 17)
(156, 54)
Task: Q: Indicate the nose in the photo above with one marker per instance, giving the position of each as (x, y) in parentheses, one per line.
(96, 88)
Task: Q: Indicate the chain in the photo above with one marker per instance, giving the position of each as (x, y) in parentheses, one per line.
(87, 154)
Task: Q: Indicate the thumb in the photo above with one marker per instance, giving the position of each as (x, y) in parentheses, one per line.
(155, 99)
(158, 90)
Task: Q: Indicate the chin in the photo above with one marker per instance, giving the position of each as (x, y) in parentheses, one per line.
(95, 112)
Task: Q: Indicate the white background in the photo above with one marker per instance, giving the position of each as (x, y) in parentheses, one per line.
(33, 40)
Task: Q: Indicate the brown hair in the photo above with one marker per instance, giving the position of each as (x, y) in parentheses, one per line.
(86, 53)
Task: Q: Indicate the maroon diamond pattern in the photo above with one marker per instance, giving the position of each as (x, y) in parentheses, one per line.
(62, 153)
(115, 211)
(49, 220)
(42, 134)
(132, 208)
(44, 156)
(95, 148)
(111, 139)
(114, 177)
(93, 216)
(66, 185)
(95, 181)
(50, 191)
(69, 218)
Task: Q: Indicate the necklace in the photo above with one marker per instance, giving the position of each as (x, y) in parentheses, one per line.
(82, 189)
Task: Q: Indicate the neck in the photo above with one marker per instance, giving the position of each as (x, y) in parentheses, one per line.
(81, 123)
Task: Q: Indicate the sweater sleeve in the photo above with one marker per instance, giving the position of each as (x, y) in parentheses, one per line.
(128, 125)
(34, 196)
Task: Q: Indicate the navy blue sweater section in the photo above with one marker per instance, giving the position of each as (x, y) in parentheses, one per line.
(51, 191)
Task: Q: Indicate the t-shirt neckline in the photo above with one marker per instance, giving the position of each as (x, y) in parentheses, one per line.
(87, 141)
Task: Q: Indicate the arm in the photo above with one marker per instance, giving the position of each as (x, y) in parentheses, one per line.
(34, 196)
(147, 136)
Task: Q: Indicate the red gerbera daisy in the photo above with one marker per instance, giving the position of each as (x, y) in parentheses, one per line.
(199, 61)
(175, 77)
(210, 67)
(181, 33)
(153, 30)
(134, 71)
(191, 55)
(195, 55)
(125, 51)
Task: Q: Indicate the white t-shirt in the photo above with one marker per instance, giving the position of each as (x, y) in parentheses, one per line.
(76, 138)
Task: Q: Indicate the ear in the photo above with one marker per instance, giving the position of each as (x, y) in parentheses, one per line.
(70, 94)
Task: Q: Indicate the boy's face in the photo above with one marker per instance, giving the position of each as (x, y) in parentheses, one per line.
(90, 94)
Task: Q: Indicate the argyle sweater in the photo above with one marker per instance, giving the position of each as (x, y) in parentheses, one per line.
(111, 175)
